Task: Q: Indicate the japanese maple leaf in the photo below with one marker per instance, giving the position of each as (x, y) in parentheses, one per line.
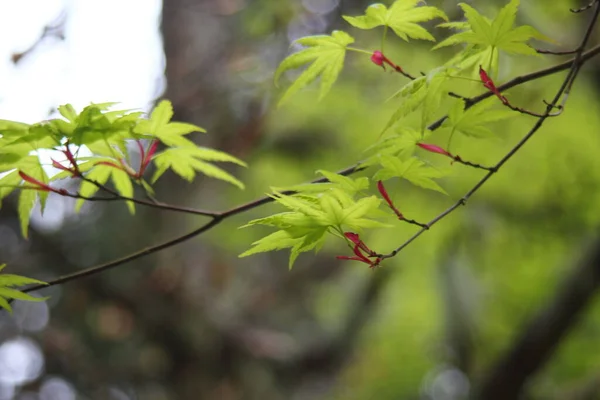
(402, 17)
(485, 37)
(327, 55)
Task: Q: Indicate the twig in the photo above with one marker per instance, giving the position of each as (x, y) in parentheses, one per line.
(148, 203)
(556, 53)
(584, 8)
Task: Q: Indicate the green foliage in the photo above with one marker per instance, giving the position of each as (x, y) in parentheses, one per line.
(7, 291)
(402, 142)
(413, 170)
(402, 17)
(485, 38)
(169, 133)
(334, 210)
(424, 93)
(327, 55)
(185, 161)
(108, 135)
(471, 122)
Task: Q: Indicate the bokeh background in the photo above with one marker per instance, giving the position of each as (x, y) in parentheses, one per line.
(498, 300)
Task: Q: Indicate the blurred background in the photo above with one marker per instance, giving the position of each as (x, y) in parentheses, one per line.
(498, 301)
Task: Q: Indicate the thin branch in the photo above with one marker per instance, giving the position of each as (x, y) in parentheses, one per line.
(556, 53)
(147, 203)
(535, 75)
(584, 8)
(473, 165)
(133, 256)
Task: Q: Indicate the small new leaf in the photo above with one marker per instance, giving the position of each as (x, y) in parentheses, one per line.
(327, 55)
(401, 143)
(8, 282)
(472, 121)
(170, 133)
(402, 17)
(486, 37)
(311, 216)
(99, 174)
(425, 92)
(413, 170)
(186, 161)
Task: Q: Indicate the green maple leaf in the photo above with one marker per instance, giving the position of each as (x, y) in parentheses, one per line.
(170, 133)
(402, 143)
(413, 170)
(100, 174)
(310, 217)
(349, 185)
(472, 121)
(425, 92)
(26, 202)
(402, 17)
(485, 37)
(8, 183)
(186, 161)
(327, 55)
(38, 136)
(31, 166)
(8, 282)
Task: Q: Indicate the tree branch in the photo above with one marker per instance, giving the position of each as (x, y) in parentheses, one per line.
(218, 217)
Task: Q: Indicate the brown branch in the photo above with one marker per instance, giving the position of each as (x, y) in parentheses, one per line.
(556, 53)
(584, 8)
(151, 204)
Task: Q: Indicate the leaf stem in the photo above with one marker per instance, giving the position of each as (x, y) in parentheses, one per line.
(385, 31)
(370, 53)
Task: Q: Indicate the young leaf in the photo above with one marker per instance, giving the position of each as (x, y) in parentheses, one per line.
(425, 92)
(303, 228)
(472, 121)
(122, 182)
(345, 183)
(402, 17)
(170, 133)
(32, 167)
(7, 281)
(185, 162)
(37, 137)
(8, 183)
(401, 143)
(26, 202)
(327, 55)
(413, 170)
(99, 174)
(487, 37)
(412, 96)
(68, 111)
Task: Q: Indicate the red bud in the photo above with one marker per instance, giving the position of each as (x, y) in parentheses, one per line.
(434, 149)
(378, 58)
